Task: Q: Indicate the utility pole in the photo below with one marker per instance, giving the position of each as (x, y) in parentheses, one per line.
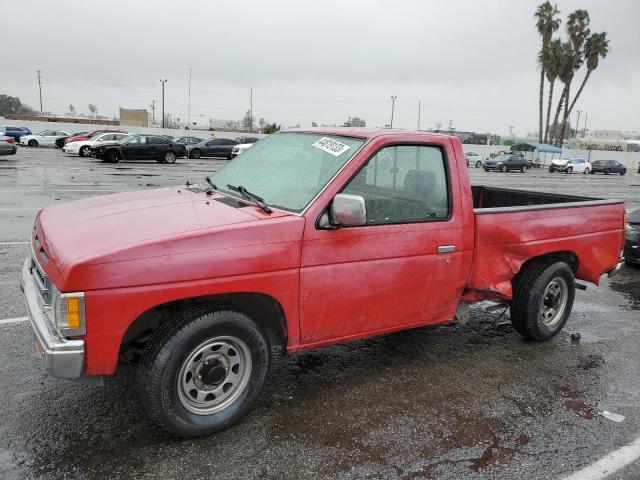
(450, 127)
(584, 130)
(418, 114)
(189, 109)
(511, 131)
(40, 89)
(163, 82)
(393, 104)
(578, 122)
(438, 125)
(153, 112)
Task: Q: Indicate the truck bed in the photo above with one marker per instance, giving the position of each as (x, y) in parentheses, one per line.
(513, 226)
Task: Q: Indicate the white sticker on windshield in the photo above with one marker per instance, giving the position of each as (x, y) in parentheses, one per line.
(331, 146)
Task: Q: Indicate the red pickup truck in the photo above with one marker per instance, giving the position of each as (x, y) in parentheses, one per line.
(311, 237)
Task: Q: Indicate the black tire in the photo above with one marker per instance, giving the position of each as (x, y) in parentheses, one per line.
(529, 288)
(569, 170)
(486, 169)
(478, 164)
(85, 151)
(551, 170)
(111, 156)
(195, 153)
(607, 171)
(162, 365)
(169, 157)
(586, 170)
(623, 172)
(523, 169)
(503, 168)
(591, 172)
(32, 143)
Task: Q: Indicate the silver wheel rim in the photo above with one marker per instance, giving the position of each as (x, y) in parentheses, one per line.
(83, 151)
(214, 375)
(554, 301)
(170, 158)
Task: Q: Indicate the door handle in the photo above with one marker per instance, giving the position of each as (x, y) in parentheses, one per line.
(446, 248)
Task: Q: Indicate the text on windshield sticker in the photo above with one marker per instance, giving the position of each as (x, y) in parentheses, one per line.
(331, 146)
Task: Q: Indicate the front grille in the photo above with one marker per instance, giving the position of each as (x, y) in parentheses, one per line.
(42, 281)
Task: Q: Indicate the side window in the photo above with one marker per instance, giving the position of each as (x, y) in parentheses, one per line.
(213, 143)
(137, 141)
(404, 183)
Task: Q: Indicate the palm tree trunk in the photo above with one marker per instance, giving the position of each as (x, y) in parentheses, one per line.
(565, 117)
(584, 82)
(540, 101)
(554, 132)
(546, 130)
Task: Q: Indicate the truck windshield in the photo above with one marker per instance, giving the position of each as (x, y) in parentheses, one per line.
(288, 169)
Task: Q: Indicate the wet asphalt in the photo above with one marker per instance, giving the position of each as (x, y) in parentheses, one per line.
(446, 402)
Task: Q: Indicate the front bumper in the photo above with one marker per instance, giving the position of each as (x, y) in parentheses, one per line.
(63, 357)
(70, 151)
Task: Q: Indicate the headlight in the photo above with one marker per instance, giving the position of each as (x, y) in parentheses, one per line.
(68, 313)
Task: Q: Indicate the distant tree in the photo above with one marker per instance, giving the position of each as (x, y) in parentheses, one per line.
(261, 122)
(314, 124)
(13, 105)
(72, 109)
(355, 122)
(93, 109)
(270, 128)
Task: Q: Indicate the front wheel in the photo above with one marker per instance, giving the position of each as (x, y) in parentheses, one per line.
(607, 171)
(623, 172)
(543, 294)
(503, 168)
(478, 164)
(586, 170)
(486, 169)
(523, 169)
(111, 157)
(569, 170)
(196, 153)
(201, 372)
(33, 143)
(85, 151)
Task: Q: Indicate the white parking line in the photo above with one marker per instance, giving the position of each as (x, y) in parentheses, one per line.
(16, 209)
(610, 463)
(10, 321)
(14, 243)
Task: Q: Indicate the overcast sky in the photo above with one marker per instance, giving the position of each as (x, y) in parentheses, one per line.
(472, 62)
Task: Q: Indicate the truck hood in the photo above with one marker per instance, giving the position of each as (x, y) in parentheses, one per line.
(139, 225)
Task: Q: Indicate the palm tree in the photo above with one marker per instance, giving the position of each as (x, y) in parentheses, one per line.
(595, 48)
(551, 58)
(578, 31)
(547, 22)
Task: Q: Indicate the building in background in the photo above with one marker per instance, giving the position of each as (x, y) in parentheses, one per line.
(135, 117)
(193, 122)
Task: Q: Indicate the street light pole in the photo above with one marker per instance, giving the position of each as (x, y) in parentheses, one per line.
(578, 122)
(163, 82)
(393, 104)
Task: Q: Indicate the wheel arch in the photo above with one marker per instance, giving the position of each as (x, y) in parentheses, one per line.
(265, 310)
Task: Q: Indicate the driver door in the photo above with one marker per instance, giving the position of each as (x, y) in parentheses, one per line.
(402, 268)
(135, 149)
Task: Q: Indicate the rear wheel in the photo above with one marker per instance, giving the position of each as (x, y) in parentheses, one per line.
(503, 168)
(196, 153)
(33, 143)
(586, 170)
(169, 157)
(607, 171)
(623, 172)
(478, 164)
(543, 295)
(569, 170)
(202, 371)
(591, 172)
(523, 169)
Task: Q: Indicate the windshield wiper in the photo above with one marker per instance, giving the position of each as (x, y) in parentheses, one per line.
(213, 185)
(250, 196)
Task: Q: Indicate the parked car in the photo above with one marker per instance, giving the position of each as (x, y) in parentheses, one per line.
(139, 147)
(15, 132)
(219, 147)
(506, 163)
(632, 239)
(62, 140)
(83, 147)
(474, 159)
(310, 238)
(607, 167)
(46, 138)
(244, 143)
(7, 139)
(188, 140)
(88, 135)
(7, 148)
(569, 165)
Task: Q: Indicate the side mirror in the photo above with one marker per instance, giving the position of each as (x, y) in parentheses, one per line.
(348, 210)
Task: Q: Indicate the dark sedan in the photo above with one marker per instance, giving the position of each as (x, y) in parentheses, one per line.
(632, 240)
(7, 148)
(140, 147)
(607, 167)
(506, 163)
(62, 140)
(219, 147)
